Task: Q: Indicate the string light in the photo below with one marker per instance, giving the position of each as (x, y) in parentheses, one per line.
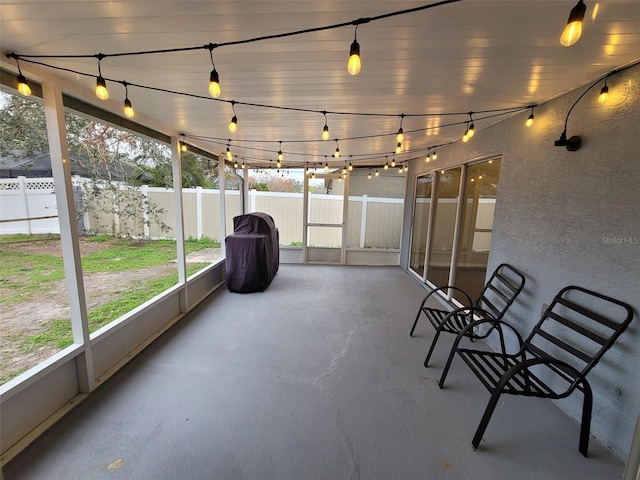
(400, 134)
(325, 130)
(214, 78)
(233, 125)
(326, 164)
(406, 167)
(428, 157)
(23, 86)
(377, 173)
(434, 155)
(604, 92)
(393, 161)
(400, 169)
(229, 155)
(101, 85)
(344, 169)
(369, 174)
(128, 108)
(336, 154)
(399, 148)
(471, 131)
(386, 163)
(465, 137)
(280, 155)
(573, 31)
(355, 64)
(529, 121)
(350, 165)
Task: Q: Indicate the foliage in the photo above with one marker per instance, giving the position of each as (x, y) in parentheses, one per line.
(269, 182)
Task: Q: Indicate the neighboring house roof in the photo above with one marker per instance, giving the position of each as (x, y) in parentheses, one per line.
(38, 165)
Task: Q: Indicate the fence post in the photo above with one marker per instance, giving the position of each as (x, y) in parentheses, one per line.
(199, 219)
(252, 200)
(144, 190)
(23, 193)
(363, 221)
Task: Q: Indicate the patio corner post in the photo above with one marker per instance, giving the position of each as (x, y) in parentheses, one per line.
(177, 197)
(60, 165)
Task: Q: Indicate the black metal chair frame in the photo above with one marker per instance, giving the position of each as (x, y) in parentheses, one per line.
(501, 372)
(455, 321)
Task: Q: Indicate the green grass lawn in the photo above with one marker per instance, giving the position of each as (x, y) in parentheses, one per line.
(26, 275)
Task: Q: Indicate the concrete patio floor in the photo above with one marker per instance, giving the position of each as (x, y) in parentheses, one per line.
(315, 378)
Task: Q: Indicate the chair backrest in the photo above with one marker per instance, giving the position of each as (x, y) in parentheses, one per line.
(501, 290)
(578, 328)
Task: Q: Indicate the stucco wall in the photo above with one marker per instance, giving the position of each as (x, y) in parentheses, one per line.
(571, 218)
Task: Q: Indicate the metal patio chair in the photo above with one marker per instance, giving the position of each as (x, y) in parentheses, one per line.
(497, 296)
(573, 334)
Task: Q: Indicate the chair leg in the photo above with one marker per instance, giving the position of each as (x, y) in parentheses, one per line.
(446, 367)
(585, 425)
(416, 321)
(491, 406)
(433, 344)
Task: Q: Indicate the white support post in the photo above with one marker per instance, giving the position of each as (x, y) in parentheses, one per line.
(363, 221)
(305, 218)
(177, 197)
(199, 219)
(453, 270)
(245, 191)
(23, 193)
(222, 185)
(59, 150)
(345, 220)
(252, 200)
(144, 190)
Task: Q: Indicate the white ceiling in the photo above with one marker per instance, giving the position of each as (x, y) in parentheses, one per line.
(468, 56)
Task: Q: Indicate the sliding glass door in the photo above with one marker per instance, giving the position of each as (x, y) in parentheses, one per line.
(452, 226)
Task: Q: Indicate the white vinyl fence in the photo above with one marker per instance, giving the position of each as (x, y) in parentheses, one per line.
(28, 206)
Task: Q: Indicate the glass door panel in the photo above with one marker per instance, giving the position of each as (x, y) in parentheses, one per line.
(477, 224)
(420, 223)
(444, 222)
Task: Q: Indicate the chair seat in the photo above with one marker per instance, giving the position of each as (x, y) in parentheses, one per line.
(489, 367)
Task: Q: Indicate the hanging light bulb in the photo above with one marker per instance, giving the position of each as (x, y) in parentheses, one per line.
(393, 161)
(377, 173)
(604, 93)
(344, 169)
(400, 169)
(229, 155)
(350, 167)
(386, 166)
(369, 174)
(336, 154)
(428, 157)
(214, 78)
(326, 165)
(243, 166)
(101, 84)
(233, 125)
(183, 146)
(354, 56)
(325, 130)
(280, 154)
(128, 108)
(480, 176)
(23, 86)
(406, 167)
(399, 148)
(400, 135)
(465, 137)
(278, 164)
(434, 155)
(471, 132)
(270, 167)
(235, 164)
(101, 88)
(344, 175)
(529, 121)
(573, 30)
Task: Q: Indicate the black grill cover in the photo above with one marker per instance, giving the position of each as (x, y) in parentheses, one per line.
(253, 253)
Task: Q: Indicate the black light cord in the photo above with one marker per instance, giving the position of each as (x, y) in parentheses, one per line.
(212, 46)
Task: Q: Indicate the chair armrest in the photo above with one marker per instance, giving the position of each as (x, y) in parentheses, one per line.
(564, 366)
(439, 289)
(471, 311)
(495, 325)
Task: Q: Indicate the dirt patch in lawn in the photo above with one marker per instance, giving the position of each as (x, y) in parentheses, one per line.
(28, 318)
